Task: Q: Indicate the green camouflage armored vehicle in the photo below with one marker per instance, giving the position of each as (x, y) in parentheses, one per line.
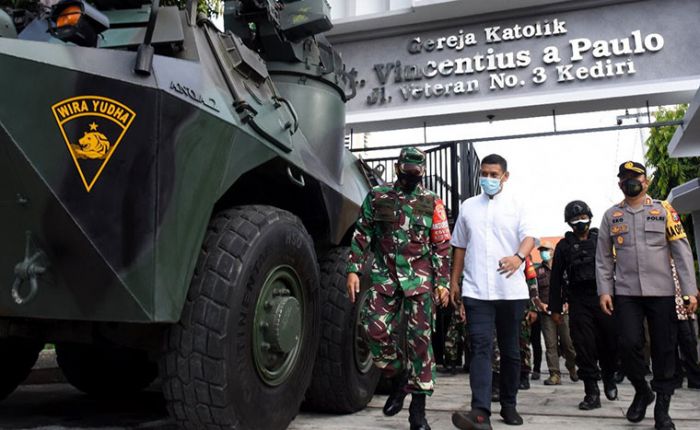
(177, 201)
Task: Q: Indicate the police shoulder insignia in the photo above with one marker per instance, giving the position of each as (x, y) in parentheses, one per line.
(674, 228)
(92, 127)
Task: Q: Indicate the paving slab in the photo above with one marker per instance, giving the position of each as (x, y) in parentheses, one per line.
(542, 407)
(58, 406)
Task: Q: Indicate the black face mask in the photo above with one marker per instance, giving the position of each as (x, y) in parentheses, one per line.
(631, 187)
(580, 227)
(409, 182)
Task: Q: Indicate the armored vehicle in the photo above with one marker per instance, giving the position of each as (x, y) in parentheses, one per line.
(176, 202)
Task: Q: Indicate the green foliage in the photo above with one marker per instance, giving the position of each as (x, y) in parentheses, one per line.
(670, 172)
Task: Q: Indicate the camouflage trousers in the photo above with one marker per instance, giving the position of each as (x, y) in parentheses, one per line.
(382, 321)
(455, 338)
(525, 352)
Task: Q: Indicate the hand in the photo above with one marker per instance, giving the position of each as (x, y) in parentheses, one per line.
(509, 265)
(556, 317)
(442, 296)
(353, 286)
(693, 305)
(543, 307)
(531, 317)
(455, 295)
(462, 313)
(606, 304)
(566, 308)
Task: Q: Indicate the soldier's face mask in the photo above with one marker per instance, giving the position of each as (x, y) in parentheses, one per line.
(632, 187)
(410, 175)
(580, 226)
(546, 254)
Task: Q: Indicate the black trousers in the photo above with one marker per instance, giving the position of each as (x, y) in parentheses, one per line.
(594, 337)
(688, 358)
(660, 313)
(536, 341)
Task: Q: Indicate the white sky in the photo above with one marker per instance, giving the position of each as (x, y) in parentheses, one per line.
(551, 171)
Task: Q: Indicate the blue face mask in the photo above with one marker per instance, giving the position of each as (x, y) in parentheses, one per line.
(491, 186)
(546, 256)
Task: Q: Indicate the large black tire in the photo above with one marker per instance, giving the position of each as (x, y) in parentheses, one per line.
(105, 371)
(17, 356)
(344, 378)
(214, 370)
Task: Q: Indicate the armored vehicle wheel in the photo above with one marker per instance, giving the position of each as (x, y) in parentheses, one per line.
(344, 376)
(242, 354)
(17, 356)
(105, 371)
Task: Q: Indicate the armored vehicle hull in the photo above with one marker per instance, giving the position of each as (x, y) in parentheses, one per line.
(187, 208)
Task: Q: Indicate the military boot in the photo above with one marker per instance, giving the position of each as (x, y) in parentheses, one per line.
(524, 380)
(394, 403)
(592, 398)
(416, 413)
(643, 397)
(610, 388)
(661, 419)
(554, 379)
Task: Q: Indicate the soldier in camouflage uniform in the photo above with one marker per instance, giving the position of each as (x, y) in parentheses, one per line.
(405, 227)
(456, 343)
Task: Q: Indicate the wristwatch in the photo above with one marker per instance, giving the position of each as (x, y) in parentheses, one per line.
(520, 256)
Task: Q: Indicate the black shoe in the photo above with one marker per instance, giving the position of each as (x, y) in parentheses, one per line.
(592, 397)
(535, 376)
(449, 370)
(394, 403)
(619, 377)
(416, 413)
(524, 381)
(643, 397)
(474, 420)
(661, 419)
(511, 416)
(610, 389)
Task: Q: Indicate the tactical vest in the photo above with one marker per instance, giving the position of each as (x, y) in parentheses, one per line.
(582, 257)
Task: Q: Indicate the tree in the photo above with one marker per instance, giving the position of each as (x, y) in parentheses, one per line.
(670, 172)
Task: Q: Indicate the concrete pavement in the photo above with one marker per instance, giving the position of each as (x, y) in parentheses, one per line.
(59, 406)
(542, 407)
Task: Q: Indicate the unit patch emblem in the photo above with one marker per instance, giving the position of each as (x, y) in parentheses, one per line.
(617, 214)
(92, 127)
(620, 240)
(654, 212)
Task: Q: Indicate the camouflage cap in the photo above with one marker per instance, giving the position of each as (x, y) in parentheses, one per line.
(412, 155)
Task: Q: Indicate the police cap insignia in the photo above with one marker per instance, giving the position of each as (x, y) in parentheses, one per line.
(631, 167)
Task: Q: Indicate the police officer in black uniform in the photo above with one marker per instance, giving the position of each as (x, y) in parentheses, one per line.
(592, 331)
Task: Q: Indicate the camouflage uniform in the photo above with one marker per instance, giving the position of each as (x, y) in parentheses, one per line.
(525, 352)
(455, 338)
(409, 236)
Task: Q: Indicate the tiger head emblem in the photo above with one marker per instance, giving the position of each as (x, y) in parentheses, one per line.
(93, 145)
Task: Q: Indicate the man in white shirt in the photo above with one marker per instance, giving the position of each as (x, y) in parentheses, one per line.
(493, 235)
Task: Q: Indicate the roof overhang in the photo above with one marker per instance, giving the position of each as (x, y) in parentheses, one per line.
(686, 198)
(686, 140)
